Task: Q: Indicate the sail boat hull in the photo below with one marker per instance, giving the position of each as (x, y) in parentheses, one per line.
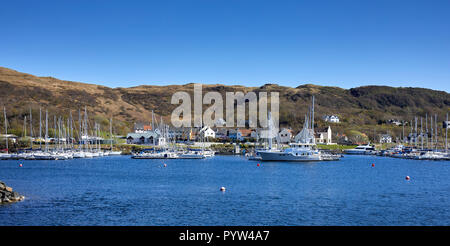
(289, 156)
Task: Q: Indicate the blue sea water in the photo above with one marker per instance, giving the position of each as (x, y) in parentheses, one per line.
(124, 191)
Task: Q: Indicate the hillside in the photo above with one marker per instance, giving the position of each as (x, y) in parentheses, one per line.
(362, 108)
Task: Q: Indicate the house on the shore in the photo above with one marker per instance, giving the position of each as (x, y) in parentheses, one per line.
(239, 134)
(146, 138)
(142, 127)
(234, 134)
(206, 132)
(246, 133)
(11, 137)
(285, 136)
(323, 136)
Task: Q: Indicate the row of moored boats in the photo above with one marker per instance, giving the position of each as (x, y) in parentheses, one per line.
(174, 154)
(56, 155)
(401, 151)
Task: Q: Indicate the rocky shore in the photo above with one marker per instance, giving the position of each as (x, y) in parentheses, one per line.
(7, 195)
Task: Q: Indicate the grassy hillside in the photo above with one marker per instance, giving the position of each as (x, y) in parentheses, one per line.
(363, 109)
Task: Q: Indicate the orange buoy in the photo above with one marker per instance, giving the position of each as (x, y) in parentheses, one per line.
(373, 165)
(407, 178)
(257, 164)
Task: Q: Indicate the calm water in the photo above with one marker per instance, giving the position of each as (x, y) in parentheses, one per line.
(123, 191)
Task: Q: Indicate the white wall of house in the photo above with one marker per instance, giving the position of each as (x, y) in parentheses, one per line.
(285, 136)
(207, 132)
(324, 137)
(385, 139)
(331, 118)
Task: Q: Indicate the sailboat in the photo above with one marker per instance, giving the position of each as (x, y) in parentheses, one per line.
(110, 133)
(6, 155)
(303, 150)
(300, 151)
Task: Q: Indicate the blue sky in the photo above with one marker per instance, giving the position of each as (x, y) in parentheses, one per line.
(128, 43)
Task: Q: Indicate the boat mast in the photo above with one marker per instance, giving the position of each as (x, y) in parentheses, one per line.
(421, 132)
(46, 130)
(426, 127)
(70, 130)
(98, 135)
(6, 130)
(80, 132)
(110, 132)
(411, 134)
(415, 131)
(312, 116)
(432, 131)
(55, 133)
(40, 129)
(446, 133)
(435, 129)
(85, 129)
(31, 129)
(59, 134)
(25, 126)
(403, 131)
(153, 126)
(270, 131)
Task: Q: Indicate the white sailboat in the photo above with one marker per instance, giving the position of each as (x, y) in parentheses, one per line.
(360, 150)
(110, 133)
(6, 155)
(302, 151)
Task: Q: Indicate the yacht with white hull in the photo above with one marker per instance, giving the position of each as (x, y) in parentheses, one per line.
(156, 155)
(360, 150)
(299, 152)
(191, 155)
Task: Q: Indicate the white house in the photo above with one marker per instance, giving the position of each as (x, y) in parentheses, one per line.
(142, 128)
(285, 135)
(11, 137)
(385, 138)
(394, 122)
(331, 118)
(146, 138)
(323, 136)
(207, 132)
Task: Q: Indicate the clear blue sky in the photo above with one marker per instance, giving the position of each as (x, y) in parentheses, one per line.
(127, 43)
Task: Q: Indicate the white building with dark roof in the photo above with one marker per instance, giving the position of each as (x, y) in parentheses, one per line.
(207, 132)
(385, 138)
(146, 138)
(331, 118)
